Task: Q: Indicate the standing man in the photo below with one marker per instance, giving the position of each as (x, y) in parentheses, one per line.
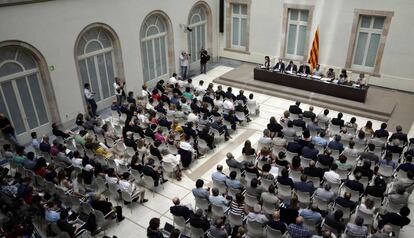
(184, 64)
(8, 130)
(119, 91)
(89, 98)
(204, 57)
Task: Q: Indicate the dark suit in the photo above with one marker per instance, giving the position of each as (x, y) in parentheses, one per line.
(304, 69)
(308, 114)
(345, 203)
(399, 135)
(336, 224)
(199, 222)
(300, 123)
(285, 181)
(292, 67)
(310, 153)
(294, 147)
(149, 171)
(106, 207)
(381, 133)
(337, 122)
(304, 187)
(314, 172)
(181, 211)
(336, 145)
(277, 225)
(325, 160)
(355, 185)
(209, 100)
(295, 109)
(279, 66)
(139, 130)
(129, 142)
(395, 219)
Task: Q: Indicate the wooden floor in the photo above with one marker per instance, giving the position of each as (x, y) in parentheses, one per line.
(392, 106)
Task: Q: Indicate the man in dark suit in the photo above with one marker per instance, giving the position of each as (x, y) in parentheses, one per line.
(179, 210)
(338, 120)
(295, 109)
(129, 140)
(304, 69)
(326, 159)
(398, 219)
(399, 135)
(280, 66)
(346, 202)
(313, 171)
(304, 186)
(294, 147)
(310, 152)
(369, 155)
(309, 114)
(100, 204)
(336, 144)
(197, 220)
(382, 132)
(291, 67)
(355, 184)
(150, 170)
(299, 122)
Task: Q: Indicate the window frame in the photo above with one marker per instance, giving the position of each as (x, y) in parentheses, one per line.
(349, 64)
(285, 28)
(229, 26)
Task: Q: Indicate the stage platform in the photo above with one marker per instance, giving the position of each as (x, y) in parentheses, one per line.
(387, 105)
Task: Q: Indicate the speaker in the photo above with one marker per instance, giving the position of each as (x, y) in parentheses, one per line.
(221, 16)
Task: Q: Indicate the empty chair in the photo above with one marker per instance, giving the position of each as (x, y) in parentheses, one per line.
(149, 183)
(284, 191)
(196, 232)
(217, 211)
(268, 208)
(180, 223)
(221, 186)
(201, 203)
(322, 205)
(232, 192)
(311, 225)
(266, 183)
(249, 176)
(295, 175)
(129, 198)
(303, 198)
(368, 218)
(385, 170)
(334, 129)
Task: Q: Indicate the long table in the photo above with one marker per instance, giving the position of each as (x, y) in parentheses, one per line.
(312, 85)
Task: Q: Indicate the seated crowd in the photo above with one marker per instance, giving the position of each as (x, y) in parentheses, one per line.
(67, 182)
(309, 176)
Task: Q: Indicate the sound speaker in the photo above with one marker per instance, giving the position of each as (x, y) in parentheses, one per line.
(221, 17)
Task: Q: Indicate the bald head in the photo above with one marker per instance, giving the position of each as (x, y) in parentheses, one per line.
(276, 215)
(311, 163)
(299, 220)
(176, 201)
(229, 155)
(387, 229)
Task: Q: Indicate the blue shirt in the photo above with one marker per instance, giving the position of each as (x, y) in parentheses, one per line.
(308, 214)
(52, 216)
(319, 141)
(235, 184)
(219, 177)
(298, 231)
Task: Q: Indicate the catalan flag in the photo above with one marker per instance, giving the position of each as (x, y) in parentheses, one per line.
(314, 53)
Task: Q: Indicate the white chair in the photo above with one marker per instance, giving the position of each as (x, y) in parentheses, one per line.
(232, 192)
(249, 176)
(196, 232)
(149, 183)
(201, 203)
(386, 170)
(169, 169)
(303, 198)
(334, 129)
(235, 219)
(266, 183)
(311, 225)
(295, 175)
(217, 211)
(180, 223)
(221, 186)
(268, 208)
(250, 200)
(368, 218)
(354, 193)
(254, 229)
(345, 210)
(322, 205)
(284, 191)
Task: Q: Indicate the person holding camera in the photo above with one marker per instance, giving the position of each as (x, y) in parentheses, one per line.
(119, 91)
(90, 100)
(204, 57)
(184, 64)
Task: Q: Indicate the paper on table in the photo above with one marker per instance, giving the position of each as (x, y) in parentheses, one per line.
(275, 171)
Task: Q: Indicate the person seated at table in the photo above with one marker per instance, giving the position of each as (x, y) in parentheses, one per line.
(292, 68)
(280, 66)
(330, 74)
(267, 64)
(341, 79)
(304, 69)
(317, 72)
(361, 80)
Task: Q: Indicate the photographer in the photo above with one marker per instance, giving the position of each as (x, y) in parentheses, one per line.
(204, 58)
(90, 100)
(119, 91)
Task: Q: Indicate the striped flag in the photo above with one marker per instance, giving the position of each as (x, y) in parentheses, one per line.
(314, 53)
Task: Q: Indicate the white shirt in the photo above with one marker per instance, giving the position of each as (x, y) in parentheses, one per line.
(228, 105)
(172, 80)
(192, 117)
(218, 103)
(332, 177)
(111, 180)
(144, 93)
(183, 61)
(35, 143)
(116, 87)
(126, 186)
(88, 93)
(186, 146)
(172, 159)
(265, 140)
(77, 162)
(200, 89)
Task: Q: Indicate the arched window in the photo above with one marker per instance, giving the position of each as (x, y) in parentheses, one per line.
(22, 96)
(95, 56)
(197, 37)
(154, 48)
